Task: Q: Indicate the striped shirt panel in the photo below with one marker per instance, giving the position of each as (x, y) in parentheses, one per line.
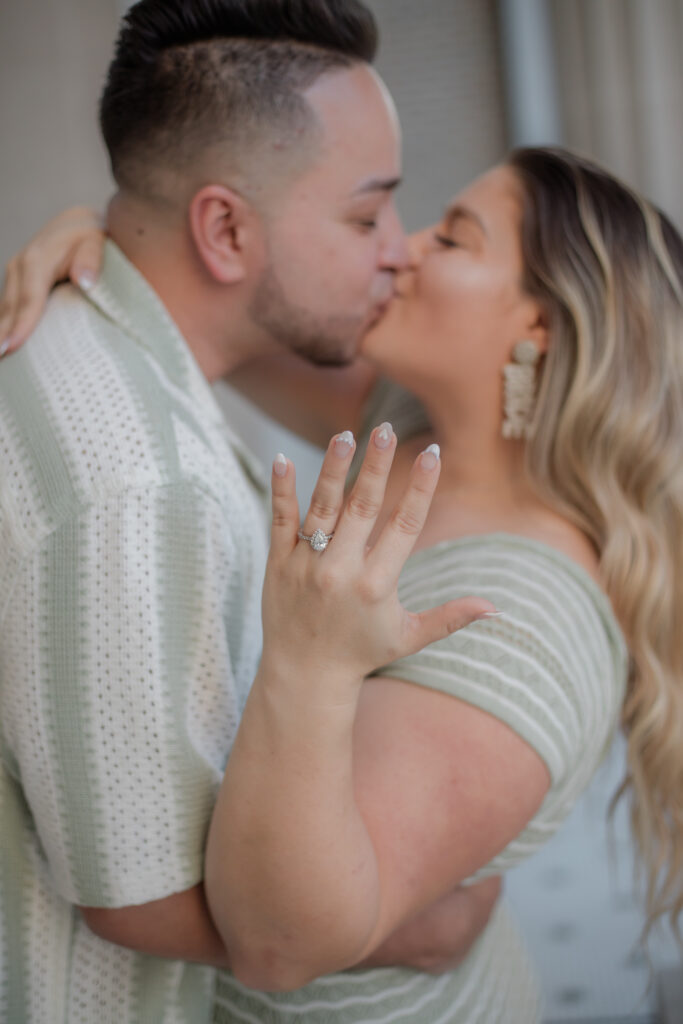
(132, 552)
(121, 609)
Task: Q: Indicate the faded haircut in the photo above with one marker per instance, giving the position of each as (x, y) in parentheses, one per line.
(191, 79)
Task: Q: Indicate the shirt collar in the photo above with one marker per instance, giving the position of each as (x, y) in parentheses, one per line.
(125, 297)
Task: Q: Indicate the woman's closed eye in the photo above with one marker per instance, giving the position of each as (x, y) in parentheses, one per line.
(445, 240)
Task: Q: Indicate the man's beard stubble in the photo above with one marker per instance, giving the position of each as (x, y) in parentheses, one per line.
(331, 341)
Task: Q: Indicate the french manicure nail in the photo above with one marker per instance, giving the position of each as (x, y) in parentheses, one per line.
(491, 615)
(86, 280)
(5, 347)
(280, 465)
(431, 456)
(343, 444)
(384, 435)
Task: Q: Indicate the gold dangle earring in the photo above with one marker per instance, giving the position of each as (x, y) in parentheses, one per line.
(519, 379)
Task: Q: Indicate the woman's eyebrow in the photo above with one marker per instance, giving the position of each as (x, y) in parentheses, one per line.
(457, 212)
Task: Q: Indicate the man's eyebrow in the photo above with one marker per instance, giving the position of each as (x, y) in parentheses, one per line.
(377, 185)
(459, 212)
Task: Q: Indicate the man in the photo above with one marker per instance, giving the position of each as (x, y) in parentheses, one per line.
(255, 154)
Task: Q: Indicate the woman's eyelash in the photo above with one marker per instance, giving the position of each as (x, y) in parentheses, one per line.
(449, 243)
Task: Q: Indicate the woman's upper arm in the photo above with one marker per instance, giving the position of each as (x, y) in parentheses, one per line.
(442, 786)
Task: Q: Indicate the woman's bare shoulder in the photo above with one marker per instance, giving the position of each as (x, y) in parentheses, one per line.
(559, 533)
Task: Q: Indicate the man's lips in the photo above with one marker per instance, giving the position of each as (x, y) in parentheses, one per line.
(382, 307)
(378, 312)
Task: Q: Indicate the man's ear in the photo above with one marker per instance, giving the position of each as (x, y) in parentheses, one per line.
(225, 229)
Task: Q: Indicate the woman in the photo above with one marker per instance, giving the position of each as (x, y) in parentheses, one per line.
(540, 326)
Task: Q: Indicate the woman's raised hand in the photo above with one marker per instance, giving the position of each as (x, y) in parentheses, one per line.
(337, 611)
(69, 246)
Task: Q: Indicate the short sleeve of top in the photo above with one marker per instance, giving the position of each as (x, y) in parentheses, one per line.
(117, 692)
(553, 667)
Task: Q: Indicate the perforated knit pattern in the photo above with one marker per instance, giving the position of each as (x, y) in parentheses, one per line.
(133, 540)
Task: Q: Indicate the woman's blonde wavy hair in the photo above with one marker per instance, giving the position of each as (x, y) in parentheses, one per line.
(606, 450)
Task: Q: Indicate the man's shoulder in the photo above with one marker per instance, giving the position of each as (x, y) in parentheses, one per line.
(85, 412)
(67, 311)
(64, 345)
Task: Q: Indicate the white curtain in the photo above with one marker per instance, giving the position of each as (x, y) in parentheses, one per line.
(620, 76)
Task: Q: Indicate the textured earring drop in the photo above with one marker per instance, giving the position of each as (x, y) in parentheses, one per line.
(520, 389)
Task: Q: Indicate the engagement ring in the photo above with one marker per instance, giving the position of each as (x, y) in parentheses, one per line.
(317, 540)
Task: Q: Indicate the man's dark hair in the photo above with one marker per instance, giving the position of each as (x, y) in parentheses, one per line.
(190, 75)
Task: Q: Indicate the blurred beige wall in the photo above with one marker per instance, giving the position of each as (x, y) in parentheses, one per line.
(53, 56)
(440, 59)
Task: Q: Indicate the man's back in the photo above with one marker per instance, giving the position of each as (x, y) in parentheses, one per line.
(131, 558)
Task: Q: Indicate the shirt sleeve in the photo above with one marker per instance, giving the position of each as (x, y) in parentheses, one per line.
(117, 668)
(545, 667)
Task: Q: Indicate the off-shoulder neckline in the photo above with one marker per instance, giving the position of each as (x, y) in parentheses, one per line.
(539, 547)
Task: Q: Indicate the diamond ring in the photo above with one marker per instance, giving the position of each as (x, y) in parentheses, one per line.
(318, 540)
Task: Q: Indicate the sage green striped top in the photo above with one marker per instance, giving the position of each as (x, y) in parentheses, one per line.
(554, 668)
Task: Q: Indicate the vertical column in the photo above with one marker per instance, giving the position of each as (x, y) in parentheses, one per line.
(657, 30)
(533, 109)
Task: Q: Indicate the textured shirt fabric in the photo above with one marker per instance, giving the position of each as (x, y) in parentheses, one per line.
(553, 667)
(132, 553)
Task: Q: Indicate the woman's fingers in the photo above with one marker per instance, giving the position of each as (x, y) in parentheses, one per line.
(285, 508)
(405, 524)
(24, 297)
(367, 494)
(70, 245)
(427, 627)
(343, 604)
(8, 306)
(328, 495)
(86, 263)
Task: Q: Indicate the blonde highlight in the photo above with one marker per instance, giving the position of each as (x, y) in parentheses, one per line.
(605, 451)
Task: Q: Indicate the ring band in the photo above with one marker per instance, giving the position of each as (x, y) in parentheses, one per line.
(318, 540)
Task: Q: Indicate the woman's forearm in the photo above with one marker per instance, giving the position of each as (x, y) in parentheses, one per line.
(177, 927)
(292, 877)
(287, 837)
(440, 937)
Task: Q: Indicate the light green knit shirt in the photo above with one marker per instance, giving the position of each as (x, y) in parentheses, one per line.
(132, 552)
